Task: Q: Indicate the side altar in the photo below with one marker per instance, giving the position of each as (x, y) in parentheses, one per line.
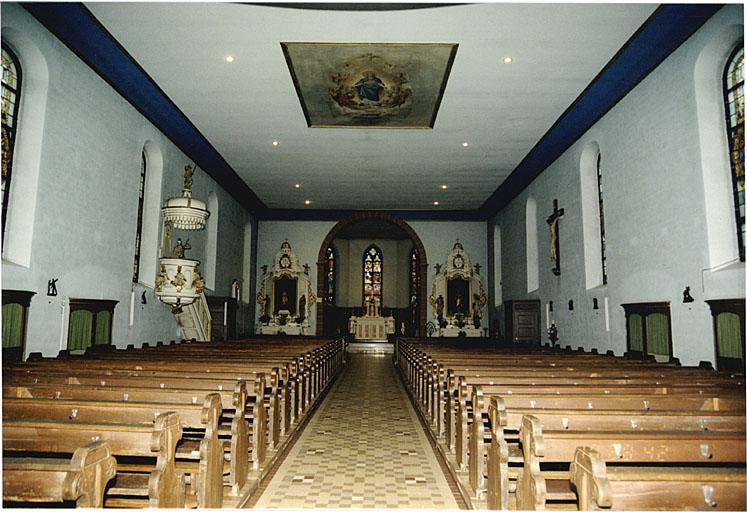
(285, 295)
(458, 296)
(371, 326)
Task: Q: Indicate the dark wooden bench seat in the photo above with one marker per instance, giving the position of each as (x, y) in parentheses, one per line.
(82, 478)
(162, 487)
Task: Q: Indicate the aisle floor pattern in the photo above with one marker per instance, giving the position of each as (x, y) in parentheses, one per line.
(364, 448)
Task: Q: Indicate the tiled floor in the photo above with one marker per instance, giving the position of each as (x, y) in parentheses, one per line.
(364, 448)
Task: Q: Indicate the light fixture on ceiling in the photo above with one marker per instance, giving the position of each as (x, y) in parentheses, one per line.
(465, 144)
(507, 60)
(435, 203)
(308, 201)
(444, 187)
(229, 58)
(297, 185)
(275, 143)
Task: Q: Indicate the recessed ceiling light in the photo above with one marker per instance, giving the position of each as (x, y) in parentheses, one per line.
(444, 187)
(229, 58)
(465, 144)
(297, 185)
(507, 60)
(275, 143)
(435, 203)
(307, 202)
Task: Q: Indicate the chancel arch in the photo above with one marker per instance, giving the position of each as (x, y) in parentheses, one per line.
(350, 239)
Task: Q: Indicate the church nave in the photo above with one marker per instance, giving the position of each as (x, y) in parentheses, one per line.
(363, 448)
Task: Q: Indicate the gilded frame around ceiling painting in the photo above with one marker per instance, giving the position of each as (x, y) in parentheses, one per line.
(370, 85)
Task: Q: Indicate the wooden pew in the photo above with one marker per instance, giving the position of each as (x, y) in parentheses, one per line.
(688, 448)
(163, 486)
(235, 402)
(82, 479)
(503, 420)
(208, 475)
(654, 488)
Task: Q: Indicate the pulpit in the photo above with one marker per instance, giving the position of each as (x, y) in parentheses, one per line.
(458, 296)
(285, 296)
(371, 326)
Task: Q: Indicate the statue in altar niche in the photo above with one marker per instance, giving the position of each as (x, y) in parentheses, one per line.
(285, 295)
(458, 296)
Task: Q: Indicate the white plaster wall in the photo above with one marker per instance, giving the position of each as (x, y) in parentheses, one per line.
(438, 238)
(86, 202)
(655, 217)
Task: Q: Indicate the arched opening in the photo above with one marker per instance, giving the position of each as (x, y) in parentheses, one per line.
(532, 245)
(394, 236)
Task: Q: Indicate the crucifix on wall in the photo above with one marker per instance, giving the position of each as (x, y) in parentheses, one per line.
(552, 220)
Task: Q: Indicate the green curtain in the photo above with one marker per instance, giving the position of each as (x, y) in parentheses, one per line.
(12, 325)
(657, 334)
(728, 335)
(102, 328)
(79, 332)
(635, 332)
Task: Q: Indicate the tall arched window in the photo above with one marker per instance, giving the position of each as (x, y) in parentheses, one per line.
(532, 245)
(11, 91)
(139, 226)
(601, 219)
(373, 264)
(330, 272)
(734, 99)
(414, 276)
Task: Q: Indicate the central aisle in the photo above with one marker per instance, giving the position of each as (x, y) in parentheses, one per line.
(364, 448)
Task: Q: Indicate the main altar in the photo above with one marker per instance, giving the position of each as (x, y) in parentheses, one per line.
(371, 326)
(285, 295)
(458, 296)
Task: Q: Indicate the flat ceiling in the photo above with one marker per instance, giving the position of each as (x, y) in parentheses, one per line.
(501, 110)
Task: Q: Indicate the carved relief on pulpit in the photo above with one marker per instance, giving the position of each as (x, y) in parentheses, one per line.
(458, 297)
(285, 295)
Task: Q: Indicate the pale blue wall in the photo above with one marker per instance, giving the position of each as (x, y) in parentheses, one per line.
(655, 218)
(87, 198)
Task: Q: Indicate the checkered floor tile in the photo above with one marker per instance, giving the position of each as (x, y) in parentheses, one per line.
(364, 448)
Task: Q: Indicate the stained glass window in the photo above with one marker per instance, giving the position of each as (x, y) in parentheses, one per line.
(139, 232)
(601, 219)
(734, 98)
(414, 277)
(11, 89)
(372, 273)
(329, 273)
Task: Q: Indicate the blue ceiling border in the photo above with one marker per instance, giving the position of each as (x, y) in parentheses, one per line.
(84, 35)
(662, 33)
